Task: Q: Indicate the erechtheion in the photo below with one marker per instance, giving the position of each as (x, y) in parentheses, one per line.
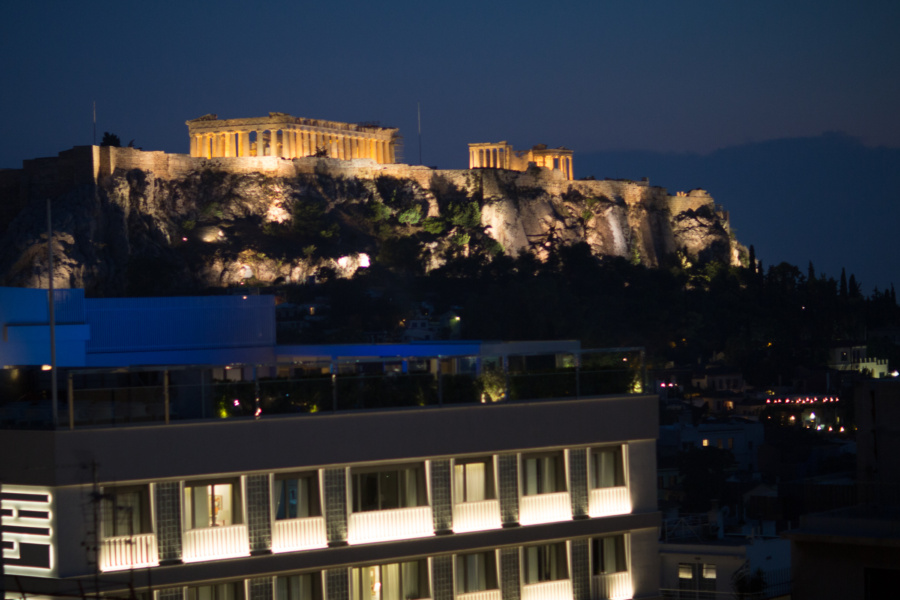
(500, 155)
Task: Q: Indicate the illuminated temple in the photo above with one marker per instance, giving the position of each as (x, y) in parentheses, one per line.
(500, 155)
(281, 134)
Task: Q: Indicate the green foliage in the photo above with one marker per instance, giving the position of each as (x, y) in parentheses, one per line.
(495, 248)
(434, 225)
(586, 215)
(411, 216)
(311, 221)
(401, 254)
(380, 211)
(309, 251)
(464, 214)
(188, 224)
(460, 238)
(110, 139)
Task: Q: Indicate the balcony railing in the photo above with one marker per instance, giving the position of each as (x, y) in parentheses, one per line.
(482, 595)
(605, 502)
(128, 552)
(212, 543)
(387, 525)
(476, 516)
(298, 534)
(613, 586)
(560, 589)
(545, 508)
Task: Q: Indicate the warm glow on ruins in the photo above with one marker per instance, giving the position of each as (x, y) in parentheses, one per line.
(500, 155)
(281, 134)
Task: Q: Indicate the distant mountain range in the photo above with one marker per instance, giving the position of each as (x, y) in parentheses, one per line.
(827, 199)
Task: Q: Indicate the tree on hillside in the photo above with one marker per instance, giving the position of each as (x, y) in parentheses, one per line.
(111, 139)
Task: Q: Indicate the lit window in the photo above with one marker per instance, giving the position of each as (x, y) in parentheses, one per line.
(705, 443)
(399, 581)
(299, 587)
(543, 473)
(212, 504)
(608, 555)
(297, 496)
(607, 467)
(221, 591)
(398, 487)
(125, 511)
(546, 563)
(685, 571)
(476, 572)
(709, 571)
(473, 479)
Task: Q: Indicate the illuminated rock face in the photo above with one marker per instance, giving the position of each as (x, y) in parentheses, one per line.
(500, 155)
(143, 223)
(285, 136)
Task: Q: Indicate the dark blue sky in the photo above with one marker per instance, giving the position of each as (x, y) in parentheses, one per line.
(656, 76)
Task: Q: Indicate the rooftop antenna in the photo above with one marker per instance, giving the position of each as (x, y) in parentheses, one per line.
(419, 111)
(95, 123)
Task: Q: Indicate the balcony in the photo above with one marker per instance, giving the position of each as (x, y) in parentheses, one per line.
(298, 534)
(545, 508)
(560, 589)
(482, 595)
(476, 516)
(128, 552)
(388, 525)
(213, 543)
(605, 502)
(613, 586)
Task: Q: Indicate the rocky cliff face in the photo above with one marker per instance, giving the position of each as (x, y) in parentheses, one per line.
(219, 223)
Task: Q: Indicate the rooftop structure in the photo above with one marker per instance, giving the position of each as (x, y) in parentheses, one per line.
(500, 155)
(281, 134)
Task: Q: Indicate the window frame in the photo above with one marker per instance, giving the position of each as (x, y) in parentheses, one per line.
(620, 466)
(315, 583)
(462, 574)
(237, 501)
(620, 552)
(560, 478)
(544, 553)
(423, 579)
(401, 493)
(490, 478)
(110, 505)
(313, 496)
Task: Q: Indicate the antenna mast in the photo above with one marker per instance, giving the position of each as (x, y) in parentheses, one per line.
(419, 111)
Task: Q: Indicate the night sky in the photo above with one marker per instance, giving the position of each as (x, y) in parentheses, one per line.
(787, 112)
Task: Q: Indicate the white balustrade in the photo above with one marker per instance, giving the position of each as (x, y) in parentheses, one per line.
(482, 595)
(545, 508)
(609, 501)
(613, 586)
(299, 534)
(210, 543)
(128, 551)
(394, 524)
(560, 589)
(476, 516)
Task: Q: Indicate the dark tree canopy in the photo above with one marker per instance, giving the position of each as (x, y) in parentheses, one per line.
(111, 139)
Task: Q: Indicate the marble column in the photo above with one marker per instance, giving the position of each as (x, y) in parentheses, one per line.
(259, 143)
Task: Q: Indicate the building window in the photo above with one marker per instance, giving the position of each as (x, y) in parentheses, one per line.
(299, 587)
(543, 473)
(608, 555)
(705, 443)
(297, 496)
(125, 511)
(546, 563)
(607, 467)
(695, 577)
(731, 443)
(398, 487)
(212, 504)
(221, 591)
(399, 581)
(473, 479)
(719, 443)
(476, 572)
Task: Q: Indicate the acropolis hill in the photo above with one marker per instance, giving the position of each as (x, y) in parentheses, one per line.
(278, 205)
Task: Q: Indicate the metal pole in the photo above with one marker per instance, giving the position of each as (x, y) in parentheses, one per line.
(419, 112)
(54, 409)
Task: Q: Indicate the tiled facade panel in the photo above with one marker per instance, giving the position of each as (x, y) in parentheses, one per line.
(509, 489)
(578, 483)
(259, 519)
(441, 501)
(336, 506)
(442, 578)
(581, 570)
(509, 574)
(173, 593)
(261, 588)
(337, 584)
(168, 521)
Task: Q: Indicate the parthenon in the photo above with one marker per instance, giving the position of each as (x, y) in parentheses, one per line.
(500, 155)
(281, 134)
